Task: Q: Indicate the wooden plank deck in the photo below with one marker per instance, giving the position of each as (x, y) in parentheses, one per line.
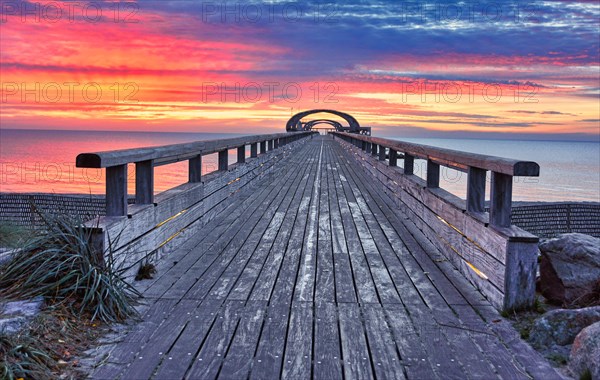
(314, 273)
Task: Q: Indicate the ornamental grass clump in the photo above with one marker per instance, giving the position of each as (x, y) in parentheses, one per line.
(61, 265)
(21, 359)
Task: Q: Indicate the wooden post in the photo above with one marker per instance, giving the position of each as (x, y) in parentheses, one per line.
(519, 275)
(144, 182)
(263, 147)
(433, 174)
(270, 142)
(241, 154)
(254, 150)
(363, 145)
(501, 199)
(195, 169)
(275, 143)
(223, 160)
(409, 164)
(381, 153)
(393, 157)
(116, 190)
(374, 149)
(368, 148)
(476, 189)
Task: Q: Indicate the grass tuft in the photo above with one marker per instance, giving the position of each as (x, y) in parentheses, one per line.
(60, 265)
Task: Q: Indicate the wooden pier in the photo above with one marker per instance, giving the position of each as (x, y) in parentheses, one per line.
(299, 262)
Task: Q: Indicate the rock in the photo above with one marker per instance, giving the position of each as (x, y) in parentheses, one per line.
(570, 269)
(561, 326)
(585, 353)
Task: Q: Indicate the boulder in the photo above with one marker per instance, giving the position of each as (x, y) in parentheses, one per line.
(561, 326)
(585, 353)
(570, 270)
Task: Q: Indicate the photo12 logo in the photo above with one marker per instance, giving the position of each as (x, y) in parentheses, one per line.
(69, 11)
(271, 92)
(68, 92)
(454, 92)
(271, 12)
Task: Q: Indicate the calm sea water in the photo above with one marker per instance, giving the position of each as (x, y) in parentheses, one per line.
(44, 161)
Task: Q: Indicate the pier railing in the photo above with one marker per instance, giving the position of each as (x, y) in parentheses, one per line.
(145, 159)
(499, 258)
(132, 233)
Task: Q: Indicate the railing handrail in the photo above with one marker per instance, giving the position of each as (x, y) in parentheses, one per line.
(145, 159)
(476, 166)
(456, 158)
(172, 152)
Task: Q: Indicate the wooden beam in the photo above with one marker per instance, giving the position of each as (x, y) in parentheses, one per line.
(433, 174)
(270, 143)
(368, 147)
(374, 148)
(263, 147)
(195, 169)
(223, 160)
(409, 164)
(476, 189)
(144, 182)
(501, 200)
(275, 143)
(116, 190)
(393, 157)
(241, 154)
(254, 150)
(381, 153)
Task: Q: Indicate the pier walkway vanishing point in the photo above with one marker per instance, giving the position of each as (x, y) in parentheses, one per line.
(314, 272)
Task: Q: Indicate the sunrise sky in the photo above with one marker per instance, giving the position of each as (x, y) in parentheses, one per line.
(414, 68)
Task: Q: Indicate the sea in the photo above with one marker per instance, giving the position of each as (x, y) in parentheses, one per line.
(44, 161)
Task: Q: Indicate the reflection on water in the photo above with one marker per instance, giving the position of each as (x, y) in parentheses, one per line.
(44, 161)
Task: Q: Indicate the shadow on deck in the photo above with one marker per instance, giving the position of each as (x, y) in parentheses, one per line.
(313, 272)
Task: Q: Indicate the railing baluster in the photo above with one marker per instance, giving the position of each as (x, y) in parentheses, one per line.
(476, 189)
(223, 160)
(254, 150)
(195, 169)
(381, 153)
(501, 199)
(409, 164)
(241, 154)
(393, 157)
(270, 142)
(433, 174)
(116, 190)
(144, 182)
(263, 147)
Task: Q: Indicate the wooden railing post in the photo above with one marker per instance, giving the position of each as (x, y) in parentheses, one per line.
(223, 160)
(368, 148)
(433, 174)
(409, 164)
(476, 189)
(501, 199)
(254, 150)
(275, 143)
(393, 157)
(116, 190)
(381, 153)
(263, 147)
(241, 154)
(270, 142)
(195, 169)
(144, 182)
(363, 145)
(374, 148)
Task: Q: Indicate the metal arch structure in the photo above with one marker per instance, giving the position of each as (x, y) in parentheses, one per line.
(310, 125)
(295, 123)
